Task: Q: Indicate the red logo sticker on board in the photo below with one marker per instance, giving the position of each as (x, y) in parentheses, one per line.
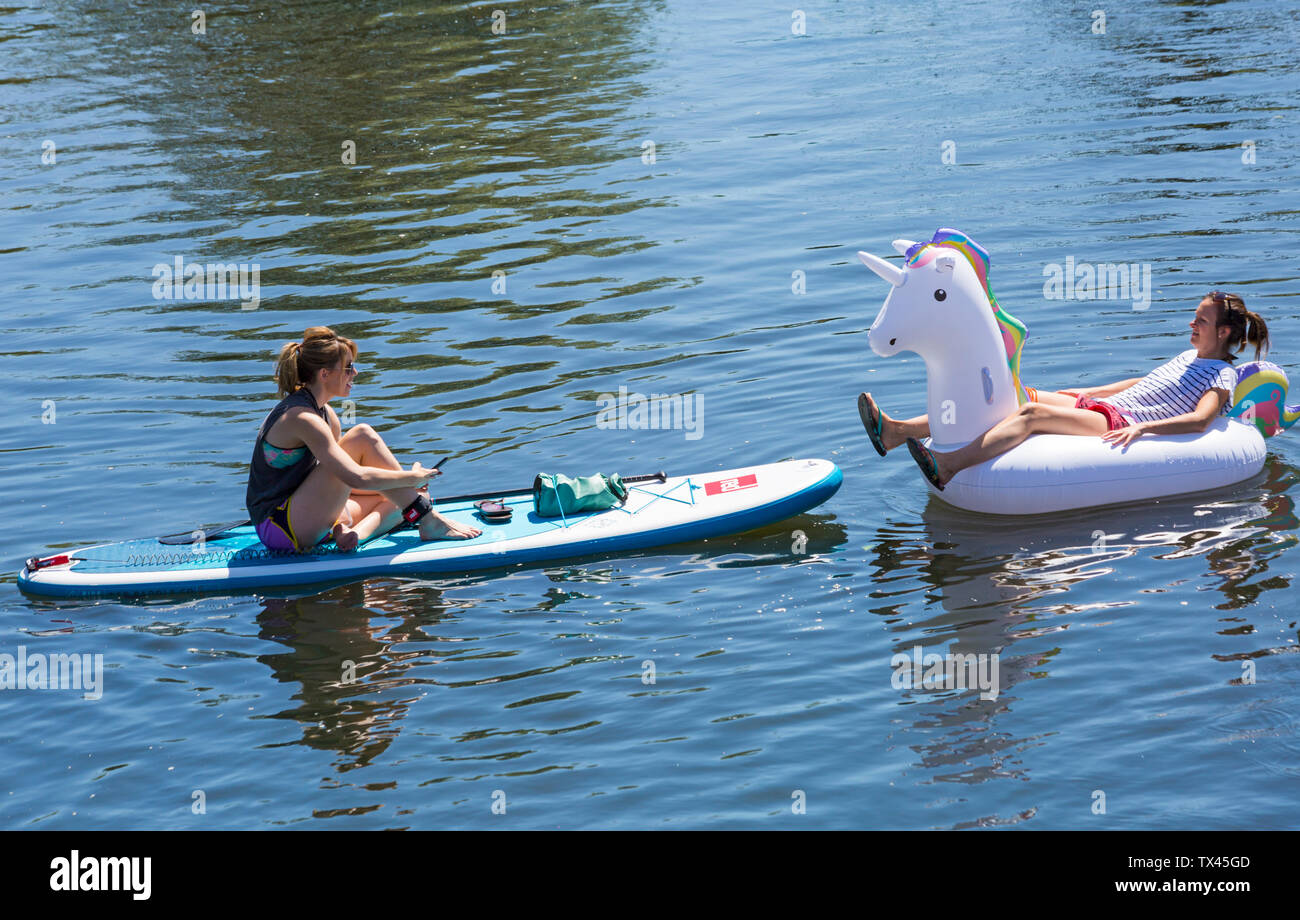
(731, 485)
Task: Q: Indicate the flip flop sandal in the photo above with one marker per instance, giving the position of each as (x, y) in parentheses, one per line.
(872, 422)
(925, 460)
(494, 512)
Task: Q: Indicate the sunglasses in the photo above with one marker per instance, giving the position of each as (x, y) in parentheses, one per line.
(1229, 301)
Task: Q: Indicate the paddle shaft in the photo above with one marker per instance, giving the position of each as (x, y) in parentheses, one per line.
(447, 499)
(218, 529)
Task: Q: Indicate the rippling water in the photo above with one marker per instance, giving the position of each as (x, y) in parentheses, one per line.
(663, 196)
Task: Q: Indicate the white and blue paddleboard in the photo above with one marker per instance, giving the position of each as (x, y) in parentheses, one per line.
(655, 513)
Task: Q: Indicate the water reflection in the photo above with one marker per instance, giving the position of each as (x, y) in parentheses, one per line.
(342, 656)
(971, 563)
(990, 583)
(366, 652)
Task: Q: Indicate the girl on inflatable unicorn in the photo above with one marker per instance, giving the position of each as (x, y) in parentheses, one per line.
(1183, 395)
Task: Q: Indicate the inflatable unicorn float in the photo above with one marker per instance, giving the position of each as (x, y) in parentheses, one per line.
(942, 308)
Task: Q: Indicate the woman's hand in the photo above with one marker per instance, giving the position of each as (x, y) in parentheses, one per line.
(1124, 436)
(424, 473)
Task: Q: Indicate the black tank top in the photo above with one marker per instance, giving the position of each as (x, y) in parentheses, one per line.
(267, 485)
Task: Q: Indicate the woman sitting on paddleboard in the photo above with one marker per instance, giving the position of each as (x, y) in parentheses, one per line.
(1181, 396)
(307, 484)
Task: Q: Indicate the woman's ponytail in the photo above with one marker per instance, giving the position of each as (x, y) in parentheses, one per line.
(1243, 325)
(1257, 334)
(286, 369)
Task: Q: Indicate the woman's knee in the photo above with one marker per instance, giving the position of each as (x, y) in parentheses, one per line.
(1033, 414)
(362, 432)
(360, 441)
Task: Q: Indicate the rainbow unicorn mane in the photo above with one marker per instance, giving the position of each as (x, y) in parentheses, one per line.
(1013, 331)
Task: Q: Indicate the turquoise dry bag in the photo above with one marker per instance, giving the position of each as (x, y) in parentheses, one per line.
(557, 495)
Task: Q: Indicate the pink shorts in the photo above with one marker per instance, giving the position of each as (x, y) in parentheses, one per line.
(1113, 418)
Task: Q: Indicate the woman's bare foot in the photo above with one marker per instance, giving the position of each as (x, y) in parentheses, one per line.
(890, 434)
(345, 537)
(433, 526)
(931, 463)
(944, 465)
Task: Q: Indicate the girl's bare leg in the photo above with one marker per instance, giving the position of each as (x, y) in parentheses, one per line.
(896, 431)
(1031, 418)
(329, 502)
(1056, 399)
(379, 516)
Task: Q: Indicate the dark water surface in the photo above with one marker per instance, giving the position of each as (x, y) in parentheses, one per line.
(1124, 663)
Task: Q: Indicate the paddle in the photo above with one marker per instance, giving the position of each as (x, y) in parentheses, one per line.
(215, 531)
(209, 533)
(660, 476)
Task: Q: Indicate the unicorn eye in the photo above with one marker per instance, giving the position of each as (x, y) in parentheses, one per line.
(941, 294)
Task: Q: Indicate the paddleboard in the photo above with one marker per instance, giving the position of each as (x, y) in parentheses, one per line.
(655, 513)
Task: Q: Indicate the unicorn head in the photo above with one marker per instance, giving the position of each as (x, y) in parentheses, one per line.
(942, 308)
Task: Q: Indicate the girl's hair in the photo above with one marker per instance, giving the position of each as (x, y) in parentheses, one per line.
(1244, 326)
(299, 361)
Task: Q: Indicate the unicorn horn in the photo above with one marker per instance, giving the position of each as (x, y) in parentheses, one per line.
(895, 276)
